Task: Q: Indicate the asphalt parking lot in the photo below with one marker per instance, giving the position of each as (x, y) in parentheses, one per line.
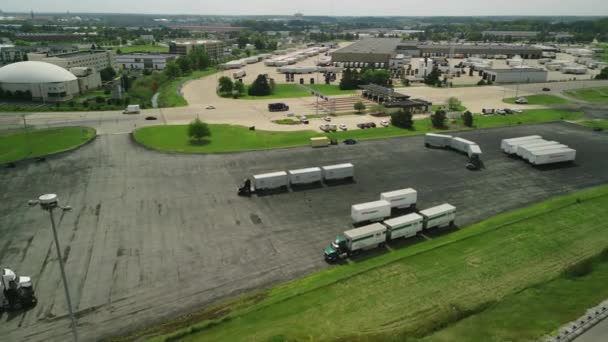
(154, 235)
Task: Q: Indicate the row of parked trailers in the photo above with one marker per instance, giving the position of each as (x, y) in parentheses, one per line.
(312, 175)
(538, 151)
(376, 234)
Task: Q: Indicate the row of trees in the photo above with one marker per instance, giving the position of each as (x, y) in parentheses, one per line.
(196, 59)
(352, 79)
(226, 87)
(262, 86)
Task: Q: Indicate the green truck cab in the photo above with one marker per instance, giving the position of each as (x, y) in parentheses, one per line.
(337, 248)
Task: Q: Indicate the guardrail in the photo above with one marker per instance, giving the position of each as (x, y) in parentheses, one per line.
(574, 329)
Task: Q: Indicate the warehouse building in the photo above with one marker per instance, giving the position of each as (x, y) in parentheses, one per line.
(94, 59)
(139, 61)
(47, 82)
(480, 50)
(214, 48)
(515, 75)
(371, 52)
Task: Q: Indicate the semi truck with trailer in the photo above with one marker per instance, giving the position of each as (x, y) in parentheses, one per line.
(270, 181)
(310, 175)
(437, 140)
(338, 172)
(370, 211)
(354, 240)
(471, 149)
(399, 199)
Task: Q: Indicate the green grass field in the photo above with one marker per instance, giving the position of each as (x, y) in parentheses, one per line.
(36, 143)
(285, 91)
(595, 95)
(169, 96)
(546, 100)
(229, 138)
(465, 281)
(600, 123)
(141, 48)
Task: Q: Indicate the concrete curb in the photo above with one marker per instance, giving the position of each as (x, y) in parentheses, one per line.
(576, 328)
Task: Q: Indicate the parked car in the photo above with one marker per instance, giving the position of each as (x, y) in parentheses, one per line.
(362, 125)
(327, 118)
(384, 123)
(546, 89)
(210, 107)
(521, 100)
(508, 111)
(343, 127)
(304, 119)
(371, 125)
(517, 111)
(290, 115)
(350, 141)
(501, 112)
(150, 117)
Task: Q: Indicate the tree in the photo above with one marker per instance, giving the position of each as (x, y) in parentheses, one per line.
(184, 65)
(438, 119)
(402, 118)
(260, 87)
(239, 88)
(603, 75)
(172, 70)
(225, 85)
(107, 74)
(197, 130)
(199, 58)
(378, 109)
(347, 82)
(453, 103)
(432, 78)
(467, 118)
(242, 41)
(359, 106)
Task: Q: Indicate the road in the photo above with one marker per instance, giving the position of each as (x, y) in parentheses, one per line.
(157, 235)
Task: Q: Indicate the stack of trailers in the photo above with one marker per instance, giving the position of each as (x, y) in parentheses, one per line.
(281, 179)
(538, 151)
(381, 209)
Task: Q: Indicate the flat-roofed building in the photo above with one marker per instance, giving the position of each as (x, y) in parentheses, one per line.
(371, 52)
(139, 61)
(515, 75)
(94, 59)
(480, 50)
(214, 48)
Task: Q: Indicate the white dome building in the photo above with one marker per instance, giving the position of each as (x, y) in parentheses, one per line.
(45, 81)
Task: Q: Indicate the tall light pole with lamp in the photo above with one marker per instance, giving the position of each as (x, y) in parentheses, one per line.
(49, 202)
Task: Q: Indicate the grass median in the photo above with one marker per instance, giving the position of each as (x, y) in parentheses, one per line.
(594, 95)
(286, 91)
(169, 92)
(36, 143)
(547, 100)
(412, 292)
(231, 138)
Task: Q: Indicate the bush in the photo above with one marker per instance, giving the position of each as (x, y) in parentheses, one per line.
(438, 119)
(359, 106)
(481, 83)
(467, 118)
(402, 119)
(260, 87)
(197, 130)
(99, 99)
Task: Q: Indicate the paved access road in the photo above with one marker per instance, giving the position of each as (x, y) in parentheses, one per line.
(155, 235)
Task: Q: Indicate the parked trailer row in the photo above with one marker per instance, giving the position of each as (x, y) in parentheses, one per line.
(377, 234)
(538, 151)
(282, 179)
(381, 209)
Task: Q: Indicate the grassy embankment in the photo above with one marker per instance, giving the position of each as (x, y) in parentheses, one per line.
(35, 143)
(286, 91)
(228, 138)
(516, 276)
(599, 123)
(594, 95)
(544, 100)
(169, 96)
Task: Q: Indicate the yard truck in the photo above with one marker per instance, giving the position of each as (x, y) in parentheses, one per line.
(266, 181)
(354, 240)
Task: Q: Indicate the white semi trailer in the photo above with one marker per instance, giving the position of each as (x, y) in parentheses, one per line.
(370, 211)
(509, 146)
(269, 181)
(527, 154)
(404, 198)
(557, 155)
(305, 176)
(404, 226)
(440, 216)
(521, 149)
(437, 140)
(338, 172)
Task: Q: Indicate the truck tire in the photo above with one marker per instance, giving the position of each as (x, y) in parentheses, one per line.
(451, 225)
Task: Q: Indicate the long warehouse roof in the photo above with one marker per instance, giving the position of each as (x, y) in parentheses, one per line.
(372, 45)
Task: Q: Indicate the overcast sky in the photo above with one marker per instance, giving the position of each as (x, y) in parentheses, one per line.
(319, 7)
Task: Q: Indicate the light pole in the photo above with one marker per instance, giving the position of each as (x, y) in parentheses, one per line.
(49, 202)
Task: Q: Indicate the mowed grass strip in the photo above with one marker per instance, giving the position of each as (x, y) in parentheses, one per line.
(231, 138)
(286, 91)
(416, 290)
(546, 100)
(599, 123)
(169, 95)
(40, 142)
(595, 95)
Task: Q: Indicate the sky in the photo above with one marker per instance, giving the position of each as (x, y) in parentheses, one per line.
(319, 7)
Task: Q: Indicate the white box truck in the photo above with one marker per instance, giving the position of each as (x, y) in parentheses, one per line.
(268, 181)
(437, 140)
(239, 74)
(338, 172)
(440, 216)
(305, 176)
(404, 198)
(132, 109)
(527, 154)
(557, 155)
(370, 211)
(404, 226)
(367, 237)
(506, 145)
(319, 142)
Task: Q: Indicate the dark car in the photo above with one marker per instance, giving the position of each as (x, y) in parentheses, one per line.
(150, 117)
(546, 89)
(350, 141)
(362, 126)
(371, 124)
